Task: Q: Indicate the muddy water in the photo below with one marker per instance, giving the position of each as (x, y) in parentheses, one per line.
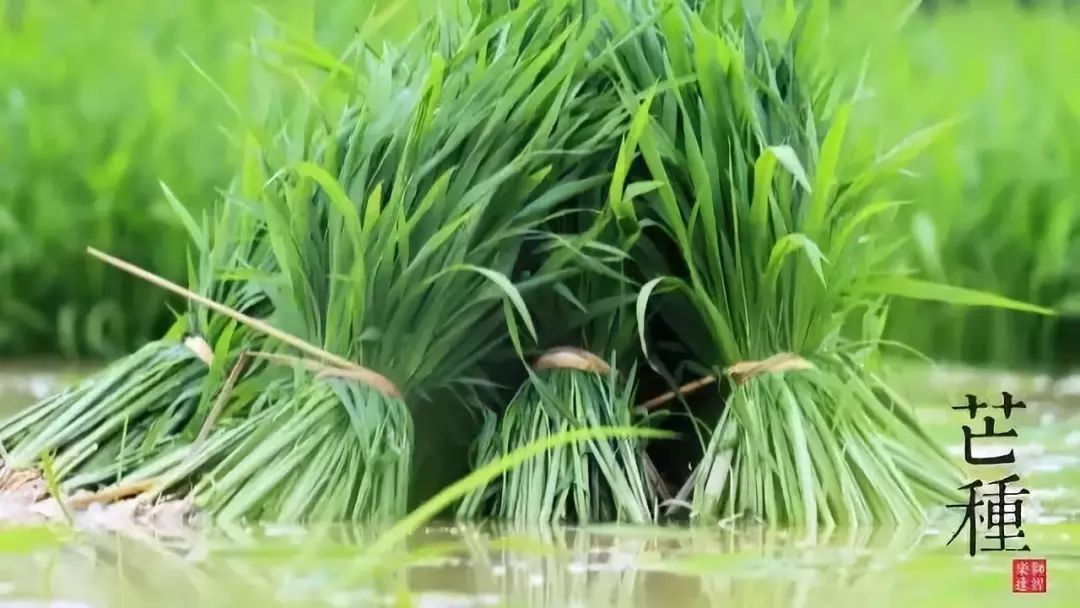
(449, 565)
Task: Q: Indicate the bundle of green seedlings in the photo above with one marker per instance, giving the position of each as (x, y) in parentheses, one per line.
(141, 407)
(387, 217)
(573, 388)
(746, 211)
(586, 377)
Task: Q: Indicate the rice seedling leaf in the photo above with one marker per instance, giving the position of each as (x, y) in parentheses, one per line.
(185, 217)
(513, 296)
(641, 309)
(826, 171)
(764, 168)
(919, 289)
(338, 197)
(790, 161)
(790, 244)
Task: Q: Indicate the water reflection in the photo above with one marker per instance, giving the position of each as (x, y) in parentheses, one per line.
(490, 565)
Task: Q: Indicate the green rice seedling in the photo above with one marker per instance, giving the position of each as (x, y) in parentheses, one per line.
(751, 214)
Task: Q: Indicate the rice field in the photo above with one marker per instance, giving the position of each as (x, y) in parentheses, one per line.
(102, 103)
(511, 302)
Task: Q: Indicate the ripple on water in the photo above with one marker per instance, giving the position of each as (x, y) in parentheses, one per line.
(1051, 463)
(452, 600)
(1072, 440)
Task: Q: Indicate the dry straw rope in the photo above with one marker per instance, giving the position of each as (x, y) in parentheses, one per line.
(202, 350)
(569, 357)
(359, 373)
(740, 373)
(743, 371)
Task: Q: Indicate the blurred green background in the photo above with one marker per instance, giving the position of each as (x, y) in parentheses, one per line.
(100, 102)
(996, 202)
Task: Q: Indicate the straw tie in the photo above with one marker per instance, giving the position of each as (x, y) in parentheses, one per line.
(740, 373)
(356, 372)
(202, 350)
(366, 376)
(569, 357)
(743, 371)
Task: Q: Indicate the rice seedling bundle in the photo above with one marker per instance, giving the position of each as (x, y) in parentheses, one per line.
(748, 211)
(143, 407)
(572, 388)
(584, 375)
(599, 480)
(386, 220)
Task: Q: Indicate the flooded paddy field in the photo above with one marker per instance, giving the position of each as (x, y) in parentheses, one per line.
(103, 561)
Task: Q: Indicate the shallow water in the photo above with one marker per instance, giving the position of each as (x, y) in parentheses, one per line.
(447, 565)
(26, 382)
(470, 566)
